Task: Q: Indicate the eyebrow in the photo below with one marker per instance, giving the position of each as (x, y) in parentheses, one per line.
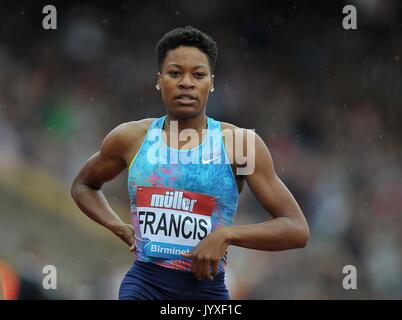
(177, 65)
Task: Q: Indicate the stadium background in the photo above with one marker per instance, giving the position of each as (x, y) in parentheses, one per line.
(327, 102)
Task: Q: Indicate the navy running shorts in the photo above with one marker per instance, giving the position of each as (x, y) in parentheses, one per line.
(148, 281)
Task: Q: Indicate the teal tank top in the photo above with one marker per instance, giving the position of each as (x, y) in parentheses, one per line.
(177, 197)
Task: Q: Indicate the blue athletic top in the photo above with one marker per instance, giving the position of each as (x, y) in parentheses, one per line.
(177, 197)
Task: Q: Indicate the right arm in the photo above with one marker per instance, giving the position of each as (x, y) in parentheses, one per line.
(103, 166)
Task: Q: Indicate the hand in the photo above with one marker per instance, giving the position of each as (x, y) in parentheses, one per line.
(126, 233)
(208, 253)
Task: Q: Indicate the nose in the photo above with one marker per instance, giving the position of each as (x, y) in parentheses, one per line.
(186, 83)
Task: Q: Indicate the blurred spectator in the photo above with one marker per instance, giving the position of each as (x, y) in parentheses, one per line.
(326, 102)
(14, 286)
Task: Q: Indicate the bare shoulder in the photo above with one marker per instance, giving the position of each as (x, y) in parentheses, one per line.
(133, 129)
(250, 144)
(228, 126)
(233, 129)
(125, 137)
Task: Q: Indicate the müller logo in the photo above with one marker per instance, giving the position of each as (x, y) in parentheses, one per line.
(172, 220)
(173, 200)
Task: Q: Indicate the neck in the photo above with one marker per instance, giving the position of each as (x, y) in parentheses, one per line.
(196, 123)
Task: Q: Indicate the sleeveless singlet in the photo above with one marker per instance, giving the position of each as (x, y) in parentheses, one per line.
(177, 197)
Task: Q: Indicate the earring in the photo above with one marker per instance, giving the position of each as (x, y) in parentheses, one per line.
(157, 87)
(212, 90)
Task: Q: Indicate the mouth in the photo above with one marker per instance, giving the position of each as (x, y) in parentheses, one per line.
(186, 99)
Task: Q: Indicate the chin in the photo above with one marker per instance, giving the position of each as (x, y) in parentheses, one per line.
(184, 112)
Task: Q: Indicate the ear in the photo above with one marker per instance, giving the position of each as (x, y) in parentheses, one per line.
(158, 81)
(212, 83)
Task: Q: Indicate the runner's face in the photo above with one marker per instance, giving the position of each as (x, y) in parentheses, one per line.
(185, 81)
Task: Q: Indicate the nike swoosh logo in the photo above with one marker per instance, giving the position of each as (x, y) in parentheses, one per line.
(209, 160)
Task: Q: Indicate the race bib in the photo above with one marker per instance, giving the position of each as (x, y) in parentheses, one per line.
(172, 221)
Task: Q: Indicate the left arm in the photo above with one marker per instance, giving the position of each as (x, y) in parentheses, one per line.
(288, 229)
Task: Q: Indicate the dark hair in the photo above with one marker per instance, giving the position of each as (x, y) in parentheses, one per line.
(187, 36)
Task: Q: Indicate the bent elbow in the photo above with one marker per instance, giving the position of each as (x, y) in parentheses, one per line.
(74, 190)
(303, 236)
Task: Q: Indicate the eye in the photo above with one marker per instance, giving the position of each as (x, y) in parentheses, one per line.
(174, 74)
(200, 75)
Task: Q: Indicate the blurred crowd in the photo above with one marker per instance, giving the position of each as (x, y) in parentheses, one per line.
(326, 101)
